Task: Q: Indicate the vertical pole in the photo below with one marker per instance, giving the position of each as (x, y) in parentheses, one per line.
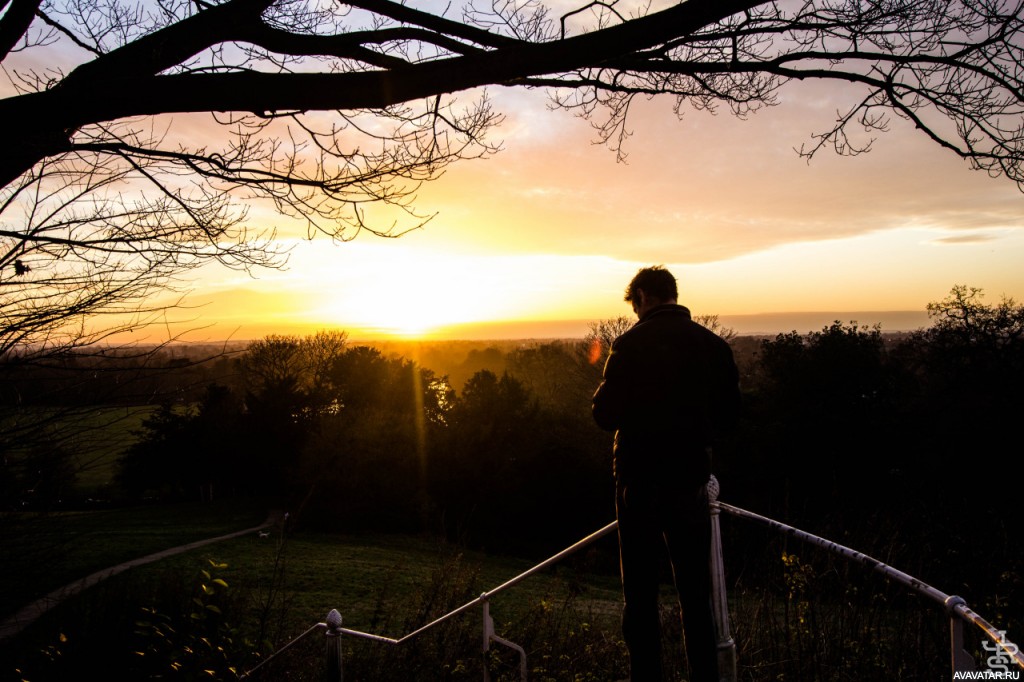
(960, 660)
(333, 670)
(488, 632)
(720, 606)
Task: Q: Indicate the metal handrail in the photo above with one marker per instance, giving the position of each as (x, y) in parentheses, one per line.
(313, 628)
(334, 629)
(955, 606)
(490, 593)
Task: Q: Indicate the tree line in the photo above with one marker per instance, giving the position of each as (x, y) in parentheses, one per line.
(843, 428)
(357, 440)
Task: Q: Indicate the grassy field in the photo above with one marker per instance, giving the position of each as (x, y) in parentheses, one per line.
(279, 586)
(47, 551)
(283, 584)
(110, 432)
(93, 438)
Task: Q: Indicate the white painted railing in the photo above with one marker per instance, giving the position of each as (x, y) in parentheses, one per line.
(1006, 656)
(334, 630)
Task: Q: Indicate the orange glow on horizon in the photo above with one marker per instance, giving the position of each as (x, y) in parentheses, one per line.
(400, 291)
(407, 290)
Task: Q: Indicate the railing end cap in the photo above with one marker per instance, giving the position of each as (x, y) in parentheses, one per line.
(333, 619)
(714, 488)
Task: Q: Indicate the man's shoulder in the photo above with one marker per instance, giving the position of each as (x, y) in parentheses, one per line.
(668, 322)
(659, 320)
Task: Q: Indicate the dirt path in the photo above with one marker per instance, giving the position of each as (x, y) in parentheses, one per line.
(28, 615)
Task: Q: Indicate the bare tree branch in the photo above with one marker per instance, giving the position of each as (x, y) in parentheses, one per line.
(15, 23)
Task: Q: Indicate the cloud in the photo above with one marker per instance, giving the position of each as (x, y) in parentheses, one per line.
(707, 188)
(966, 239)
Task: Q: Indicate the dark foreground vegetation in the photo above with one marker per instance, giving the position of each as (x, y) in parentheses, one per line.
(896, 445)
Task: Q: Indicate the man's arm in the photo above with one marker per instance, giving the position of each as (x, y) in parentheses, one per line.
(727, 408)
(611, 399)
(603, 409)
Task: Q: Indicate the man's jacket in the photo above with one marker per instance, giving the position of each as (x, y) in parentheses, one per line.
(670, 387)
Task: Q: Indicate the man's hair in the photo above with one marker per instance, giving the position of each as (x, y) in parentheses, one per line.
(655, 281)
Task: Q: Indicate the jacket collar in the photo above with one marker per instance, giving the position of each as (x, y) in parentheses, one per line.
(666, 309)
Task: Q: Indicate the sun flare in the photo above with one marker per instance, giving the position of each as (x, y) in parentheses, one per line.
(404, 292)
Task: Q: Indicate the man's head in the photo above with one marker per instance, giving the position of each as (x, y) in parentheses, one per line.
(651, 287)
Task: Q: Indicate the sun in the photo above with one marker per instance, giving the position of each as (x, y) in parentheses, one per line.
(413, 332)
(402, 291)
(412, 312)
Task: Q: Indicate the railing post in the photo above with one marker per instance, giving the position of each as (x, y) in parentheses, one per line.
(333, 670)
(490, 636)
(959, 659)
(488, 633)
(726, 644)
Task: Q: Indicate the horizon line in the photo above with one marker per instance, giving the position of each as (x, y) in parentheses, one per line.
(744, 324)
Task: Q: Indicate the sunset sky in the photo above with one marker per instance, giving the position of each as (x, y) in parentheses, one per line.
(552, 228)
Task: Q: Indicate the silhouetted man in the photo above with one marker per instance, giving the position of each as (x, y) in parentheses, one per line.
(670, 386)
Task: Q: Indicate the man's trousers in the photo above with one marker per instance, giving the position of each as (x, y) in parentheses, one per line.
(658, 513)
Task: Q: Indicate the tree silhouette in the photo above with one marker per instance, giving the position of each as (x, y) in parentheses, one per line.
(368, 461)
(601, 334)
(820, 406)
(301, 365)
(963, 318)
(969, 366)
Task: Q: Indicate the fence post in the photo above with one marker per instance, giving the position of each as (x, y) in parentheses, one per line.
(332, 670)
(959, 659)
(726, 644)
(488, 633)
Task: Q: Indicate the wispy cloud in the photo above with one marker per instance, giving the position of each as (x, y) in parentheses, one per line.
(966, 239)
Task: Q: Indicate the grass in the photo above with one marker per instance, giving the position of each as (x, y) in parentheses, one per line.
(94, 437)
(383, 584)
(47, 551)
(101, 440)
(363, 576)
